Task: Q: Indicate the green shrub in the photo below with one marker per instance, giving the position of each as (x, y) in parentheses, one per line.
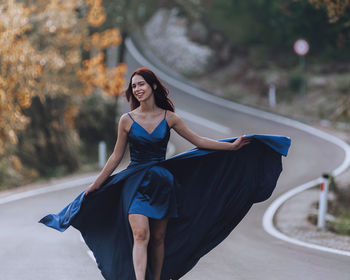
(296, 80)
(97, 120)
(341, 224)
(344, 87)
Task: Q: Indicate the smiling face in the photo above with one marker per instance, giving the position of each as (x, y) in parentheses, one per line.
(140, 88)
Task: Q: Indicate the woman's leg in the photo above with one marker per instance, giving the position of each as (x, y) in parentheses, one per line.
(158, 229)
(141, 233)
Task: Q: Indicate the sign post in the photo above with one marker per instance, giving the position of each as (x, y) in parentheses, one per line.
(301, 48)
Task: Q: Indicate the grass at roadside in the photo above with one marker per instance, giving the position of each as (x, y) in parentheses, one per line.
(338, 210)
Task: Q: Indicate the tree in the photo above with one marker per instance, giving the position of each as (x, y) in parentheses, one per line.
(43, 78)
(335, 9)
(20, 70)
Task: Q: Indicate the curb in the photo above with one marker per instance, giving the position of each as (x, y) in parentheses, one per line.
(272, 209)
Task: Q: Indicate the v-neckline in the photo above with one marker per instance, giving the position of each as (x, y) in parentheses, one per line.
(149, 133)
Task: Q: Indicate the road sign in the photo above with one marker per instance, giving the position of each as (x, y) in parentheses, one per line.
(301, 47)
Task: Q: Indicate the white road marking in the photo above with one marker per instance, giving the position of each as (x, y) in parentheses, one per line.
(271, 211)
(47, 189)
(64, 185)
(204, 122)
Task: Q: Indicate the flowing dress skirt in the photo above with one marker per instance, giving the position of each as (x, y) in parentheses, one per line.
(214, 190)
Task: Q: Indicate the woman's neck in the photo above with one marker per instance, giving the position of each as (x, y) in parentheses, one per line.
(148, 105)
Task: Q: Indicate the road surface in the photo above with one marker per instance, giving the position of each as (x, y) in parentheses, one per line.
(29, 250)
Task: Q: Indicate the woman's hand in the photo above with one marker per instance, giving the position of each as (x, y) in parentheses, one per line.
(240, 142)
(91, 188)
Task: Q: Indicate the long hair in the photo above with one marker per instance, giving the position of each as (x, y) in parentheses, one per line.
(160, 93)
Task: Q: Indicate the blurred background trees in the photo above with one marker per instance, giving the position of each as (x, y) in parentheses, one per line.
(62, 67)
(45, 80)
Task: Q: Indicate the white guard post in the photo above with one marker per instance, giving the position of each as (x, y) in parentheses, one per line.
(272, 95)
(101, 154)
(322, 207)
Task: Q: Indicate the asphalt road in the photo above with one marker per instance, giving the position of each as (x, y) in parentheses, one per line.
(29, 250)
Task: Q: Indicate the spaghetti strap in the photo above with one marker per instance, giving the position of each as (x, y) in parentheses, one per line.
(131, 117)
(165, 113)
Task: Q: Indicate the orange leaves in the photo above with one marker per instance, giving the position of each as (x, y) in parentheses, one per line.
(95, 74)
(70, 114)
(115, 79)
(335, 8)
(39, 62)
(96, 15)
(18, 66)
(41, 54)
(110, 37)
(16, 163)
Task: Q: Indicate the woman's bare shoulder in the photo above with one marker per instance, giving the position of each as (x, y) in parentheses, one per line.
(125, 121)
(172, 115)
(124, 117)
(172, 118)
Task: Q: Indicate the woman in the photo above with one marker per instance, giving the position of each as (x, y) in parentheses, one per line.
(153, 192)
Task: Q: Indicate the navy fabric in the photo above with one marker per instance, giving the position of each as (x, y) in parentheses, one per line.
(207, 192)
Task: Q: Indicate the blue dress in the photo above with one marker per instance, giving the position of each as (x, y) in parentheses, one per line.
(204, 193)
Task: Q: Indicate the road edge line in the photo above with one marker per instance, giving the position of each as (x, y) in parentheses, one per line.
(270, 212)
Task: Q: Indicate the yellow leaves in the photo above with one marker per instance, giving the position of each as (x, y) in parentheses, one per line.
(47, 60)
(335, 8)
(110, 37)
(70, 114)
(38, 70)
(115, 80)
(16, 163)
(96, 74)
(93, 72)
(93, 41)
(2, 96)
(96, 15)
(14, 15)
(73, 56)
(25, 100)
(12, 137)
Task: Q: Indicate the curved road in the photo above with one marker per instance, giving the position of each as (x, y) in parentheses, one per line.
(31, 251)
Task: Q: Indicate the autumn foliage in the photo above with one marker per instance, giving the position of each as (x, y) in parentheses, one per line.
(41, 49)
(335, 8)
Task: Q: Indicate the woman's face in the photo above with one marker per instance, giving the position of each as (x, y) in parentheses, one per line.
(141, 90)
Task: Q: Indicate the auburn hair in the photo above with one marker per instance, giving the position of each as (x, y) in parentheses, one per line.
(161, 92)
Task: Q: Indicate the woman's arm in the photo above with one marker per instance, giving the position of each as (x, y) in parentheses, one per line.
(203, 142)
(115, 157)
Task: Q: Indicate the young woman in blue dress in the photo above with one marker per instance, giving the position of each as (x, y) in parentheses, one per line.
(150, 105)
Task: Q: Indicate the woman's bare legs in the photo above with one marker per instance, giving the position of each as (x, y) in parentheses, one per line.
(158, 229)
(141, 233)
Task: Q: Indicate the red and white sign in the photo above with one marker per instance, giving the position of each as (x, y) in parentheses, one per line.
(301, 47)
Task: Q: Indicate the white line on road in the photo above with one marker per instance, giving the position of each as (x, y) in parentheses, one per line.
(204, 122)
(271, 211)
(47, 189)
(64, 185)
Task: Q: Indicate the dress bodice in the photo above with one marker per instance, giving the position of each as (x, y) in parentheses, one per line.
(148, 147)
